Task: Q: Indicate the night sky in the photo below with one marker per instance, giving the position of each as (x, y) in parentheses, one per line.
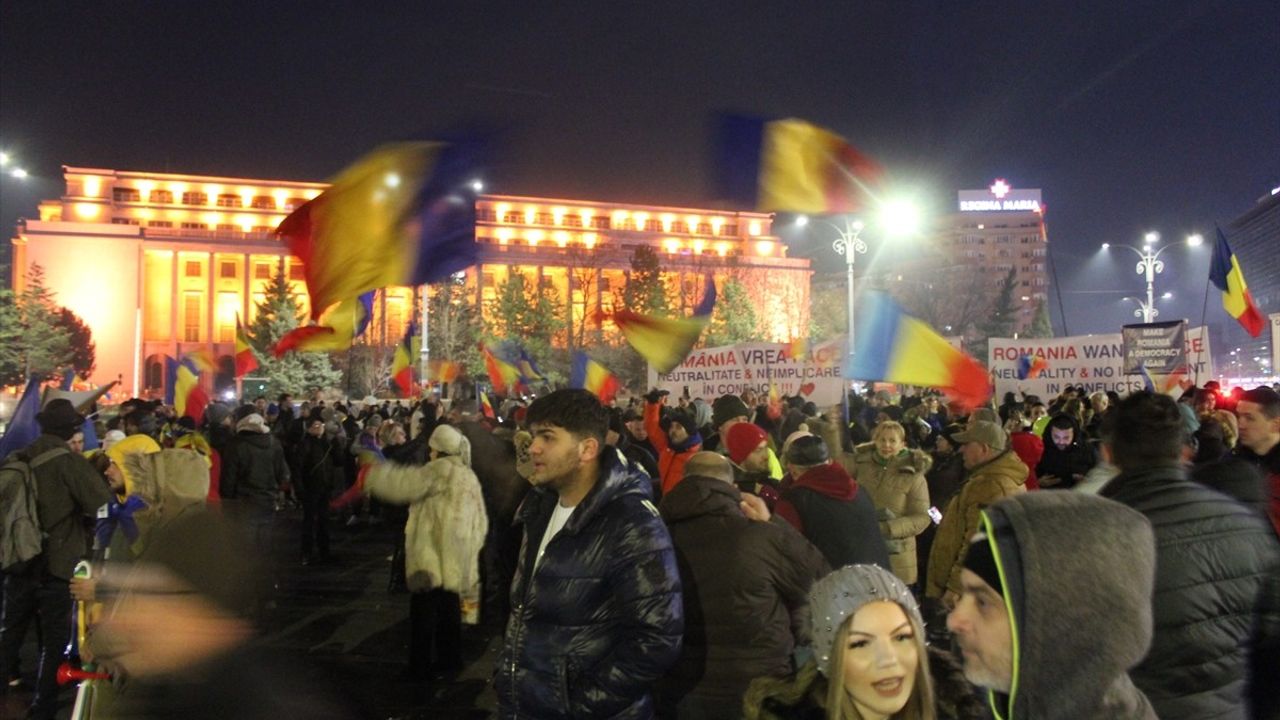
(1131, 116)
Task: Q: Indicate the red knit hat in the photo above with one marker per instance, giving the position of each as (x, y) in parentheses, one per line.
(742, 440)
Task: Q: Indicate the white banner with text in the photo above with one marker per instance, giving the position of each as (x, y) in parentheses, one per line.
(711, 372)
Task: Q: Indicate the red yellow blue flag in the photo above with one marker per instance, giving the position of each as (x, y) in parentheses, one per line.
(665, 342)
(246, 360)
(504, 375)
(892, 346)
(1030, 367)
(792, 166)
(407, 353)
(183, 389)
(402, 215)
(591, 375)
(486, 407)
(1226, 275)
(337, 329)
(443, 371)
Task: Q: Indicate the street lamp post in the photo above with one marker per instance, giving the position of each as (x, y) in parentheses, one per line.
(850, 245)
(1150, 265)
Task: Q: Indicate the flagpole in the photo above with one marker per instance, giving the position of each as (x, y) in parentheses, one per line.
(1204, 329)
(424, 356)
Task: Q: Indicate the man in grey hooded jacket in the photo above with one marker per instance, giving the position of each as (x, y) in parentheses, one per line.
(1055, 607)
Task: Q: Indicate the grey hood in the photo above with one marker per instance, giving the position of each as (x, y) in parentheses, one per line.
(1078, 574)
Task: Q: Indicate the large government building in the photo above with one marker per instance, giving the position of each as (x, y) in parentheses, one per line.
(160, 264)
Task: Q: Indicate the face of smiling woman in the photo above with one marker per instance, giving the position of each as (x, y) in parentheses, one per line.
(880, 659)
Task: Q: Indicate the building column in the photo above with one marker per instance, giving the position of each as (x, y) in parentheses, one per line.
(175, 297)
(210, 310)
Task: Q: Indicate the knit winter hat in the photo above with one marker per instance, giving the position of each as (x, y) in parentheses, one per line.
(252, 422)
(446, 439)
(807, 451)
(801, 431)
(842, 593)
(742, 440)
(982, 562)
(727, 407)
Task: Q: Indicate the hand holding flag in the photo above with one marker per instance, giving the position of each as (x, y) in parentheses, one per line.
(665, 342)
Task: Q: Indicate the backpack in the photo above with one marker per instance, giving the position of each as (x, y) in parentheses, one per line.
(21, 536)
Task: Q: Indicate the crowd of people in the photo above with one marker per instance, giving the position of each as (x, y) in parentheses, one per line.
(894, 557)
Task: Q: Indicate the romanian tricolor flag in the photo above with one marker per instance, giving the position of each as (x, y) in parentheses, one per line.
(183, 390)
(246, 361)
(1225, 273)
(402, 215)
(800, 347)
(892, 346)
(504, 375)
(591, 375)
(443, 371)
(665, 342)
(793, 166)
(337, 330)
(529, 371)
(407, 353)
(202, 359)
(486, 407)
(1030, 367)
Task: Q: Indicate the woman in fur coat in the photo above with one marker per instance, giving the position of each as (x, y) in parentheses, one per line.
(443, 537)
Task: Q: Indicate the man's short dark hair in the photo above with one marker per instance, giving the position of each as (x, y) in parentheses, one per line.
(1265, 398)
(1063, 421)
(1146, 429)
(576, 410)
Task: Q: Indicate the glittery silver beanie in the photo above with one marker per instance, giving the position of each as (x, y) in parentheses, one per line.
(840, 594)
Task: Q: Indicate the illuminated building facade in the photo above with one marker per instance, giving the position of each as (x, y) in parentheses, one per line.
(161, 264)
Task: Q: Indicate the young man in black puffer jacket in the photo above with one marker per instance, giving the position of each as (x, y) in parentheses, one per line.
(596, 614)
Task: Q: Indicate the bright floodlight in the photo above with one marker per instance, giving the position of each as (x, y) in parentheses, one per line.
(1151, 238)
(19, 173)
(1195, 240)
(4, 159)
(1106, 245)
(477, 185)
(802, 220)
(1166, 296)
(900, 217)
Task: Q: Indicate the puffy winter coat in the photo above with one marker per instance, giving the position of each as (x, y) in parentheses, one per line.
(999, 477)
(601, 617)
(1215, 598)
(901, 494)
(446, 527)
(838, 517)
(744, 585)
(671, 460)
(254, 468)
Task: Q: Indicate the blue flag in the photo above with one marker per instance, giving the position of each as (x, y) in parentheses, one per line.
(23, 428)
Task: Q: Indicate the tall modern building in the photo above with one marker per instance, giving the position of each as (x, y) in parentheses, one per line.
(160, 264)
(1255, 239)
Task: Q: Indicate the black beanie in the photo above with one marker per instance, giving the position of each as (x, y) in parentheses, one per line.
(982, 562)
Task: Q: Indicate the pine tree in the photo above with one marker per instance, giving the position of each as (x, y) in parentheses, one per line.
(1041, 324)
(83, 350)
(1000, 323)
(734, 319)
(645, 292)
(828, 316)
(296, 372)
(531, 314)
(45, 345)
(12, 361)
(454, 326)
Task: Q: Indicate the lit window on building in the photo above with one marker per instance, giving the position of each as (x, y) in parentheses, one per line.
(227, 269)
(263, 202)
(161, 196)
(261, 271)
(295, 271)
(160, 224)
(125, 221)
(191, 268)
(195, 198)
(230, 200)
(195, 226)
(126, 195)
(226, 227)
(191, 317)
(228, 307)
(294, 203)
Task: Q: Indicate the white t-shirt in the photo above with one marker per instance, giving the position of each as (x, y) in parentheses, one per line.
(559, 517)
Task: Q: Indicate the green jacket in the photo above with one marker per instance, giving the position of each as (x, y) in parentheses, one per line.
(68, 490)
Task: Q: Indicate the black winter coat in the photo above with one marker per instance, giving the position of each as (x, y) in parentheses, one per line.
(745, 587)
(319, 466)
(601, 619)
(1215, 595)
(254, 469)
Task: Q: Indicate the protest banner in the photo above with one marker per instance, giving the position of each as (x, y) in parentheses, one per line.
(1160, 348)
(712, 372)
(1088, 362)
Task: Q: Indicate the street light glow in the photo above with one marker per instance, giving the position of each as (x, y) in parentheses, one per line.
(477, 185)
(1166, 296)
(802, 220)
(1195, 240)
(1106, 246)
(19, 173)
(900, 218)
(4, 159)
(1151, 238)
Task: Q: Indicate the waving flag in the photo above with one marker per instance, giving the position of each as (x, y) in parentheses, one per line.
(246, 361)
(591, 375)
(529, 371)
(486, 407)
(202, 359)
(443, 371)
(664, 342)
(337, 330)
(1225, 273)
(792, 166)
(402, 215)
(183, 390)
(504, 376)
(892, 346)
(1030, 367)
(407, 353)
(23, 428)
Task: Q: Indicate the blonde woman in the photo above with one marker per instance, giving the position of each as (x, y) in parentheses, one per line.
(870, 659)
(895, 476)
